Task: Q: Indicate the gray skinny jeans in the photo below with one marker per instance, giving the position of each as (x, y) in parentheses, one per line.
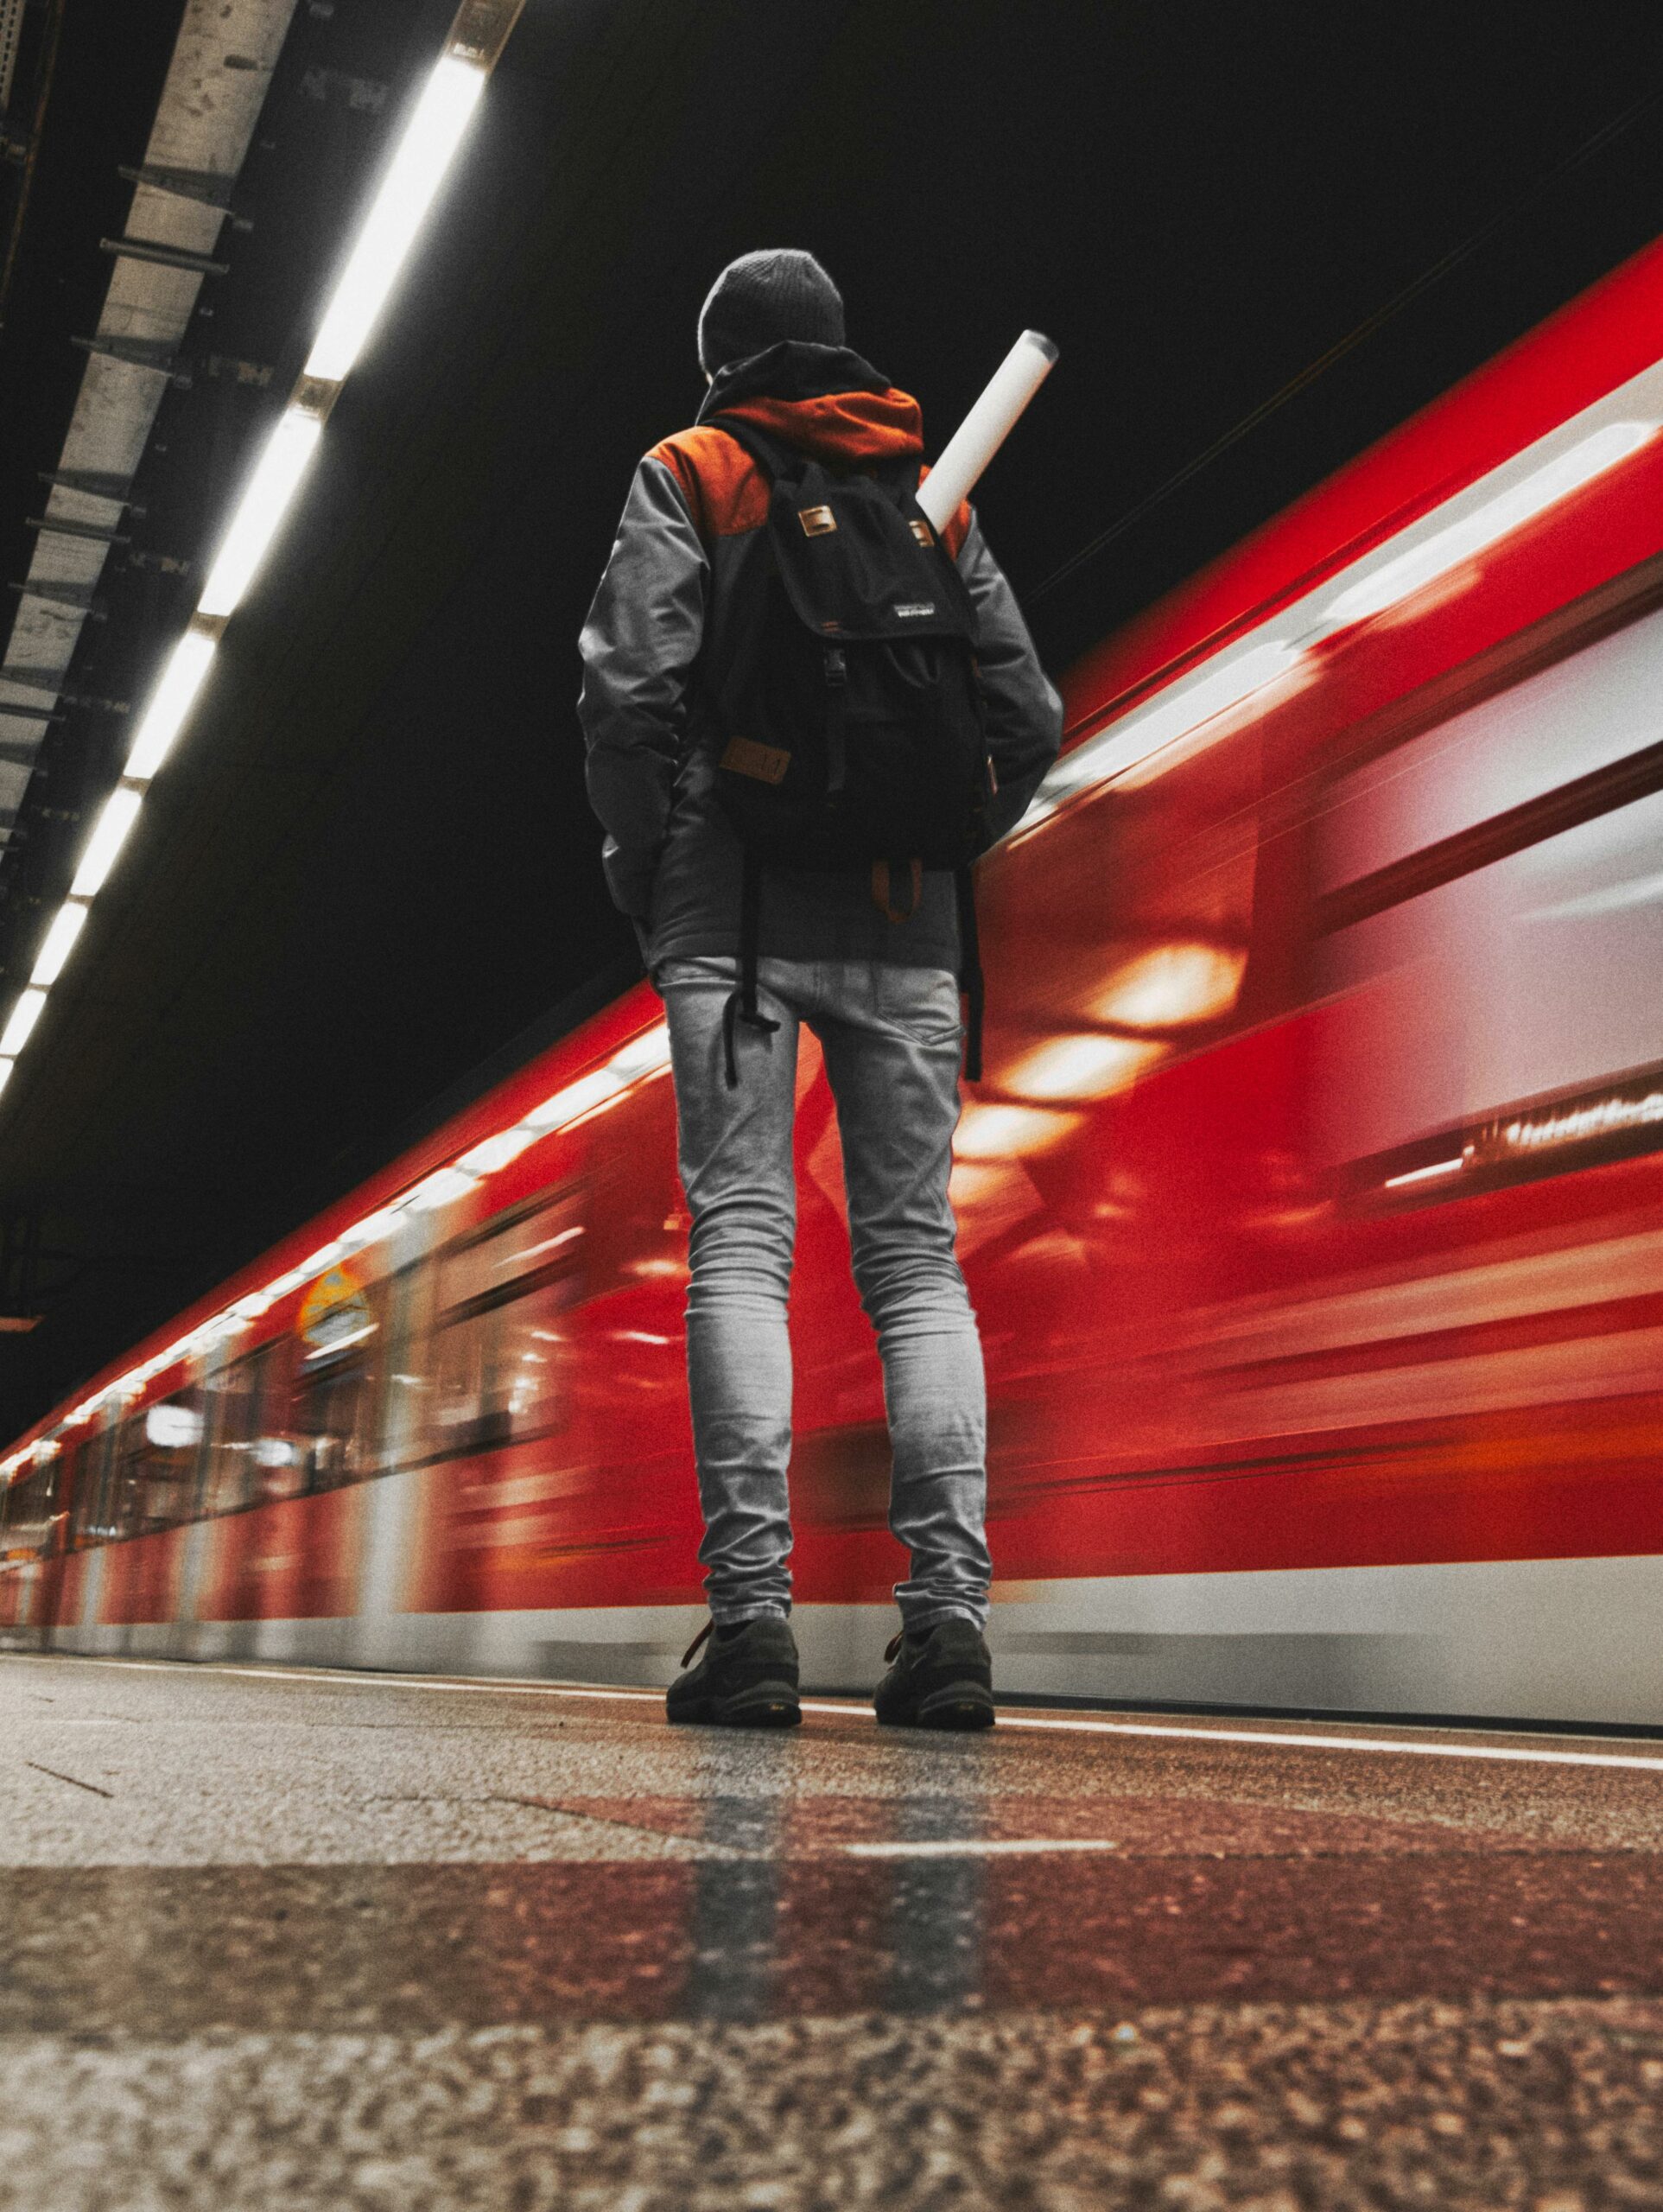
(890, 1036)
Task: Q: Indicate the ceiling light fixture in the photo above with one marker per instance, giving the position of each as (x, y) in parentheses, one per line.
(24, 1015)
(175, 695)
(417, 169)
(259, 514)
(424, 153)
(109, 835)
(58, 944)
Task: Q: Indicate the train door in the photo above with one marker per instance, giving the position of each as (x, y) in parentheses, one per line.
(492, 1416)
(152, 1494)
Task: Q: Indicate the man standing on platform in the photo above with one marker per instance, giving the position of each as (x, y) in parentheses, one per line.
(874, 977)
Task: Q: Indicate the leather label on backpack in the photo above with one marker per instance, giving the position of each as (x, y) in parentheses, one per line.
(767, 763)
(816, 521)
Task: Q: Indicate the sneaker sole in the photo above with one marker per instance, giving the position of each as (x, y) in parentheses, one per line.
(960, 1709)
(768, 1706)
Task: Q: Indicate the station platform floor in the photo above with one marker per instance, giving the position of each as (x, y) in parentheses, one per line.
(273, 1938)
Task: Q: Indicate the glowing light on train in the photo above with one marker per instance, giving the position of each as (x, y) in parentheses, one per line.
(1607, 1117)
(1426, 1174)
(1458, 541)
(497, 1152)
(992, 1132)
(440, 1189)
(1082, 1067)
(1179, 712)
(1172, 985)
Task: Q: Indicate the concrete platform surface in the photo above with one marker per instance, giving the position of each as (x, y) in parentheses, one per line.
(270, 1938)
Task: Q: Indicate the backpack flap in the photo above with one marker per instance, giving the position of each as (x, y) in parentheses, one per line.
(850, 730)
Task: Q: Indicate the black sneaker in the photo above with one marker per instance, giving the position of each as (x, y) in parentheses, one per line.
(942, 1678)
(747, 1678)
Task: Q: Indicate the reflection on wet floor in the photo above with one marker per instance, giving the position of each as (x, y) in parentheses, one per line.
(200, 1862)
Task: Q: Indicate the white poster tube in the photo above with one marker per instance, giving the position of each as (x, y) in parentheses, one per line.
(987, 425)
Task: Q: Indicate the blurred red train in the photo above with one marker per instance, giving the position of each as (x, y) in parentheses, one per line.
(1311, 1206)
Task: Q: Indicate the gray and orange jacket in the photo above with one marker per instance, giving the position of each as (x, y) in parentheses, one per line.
(695, 512)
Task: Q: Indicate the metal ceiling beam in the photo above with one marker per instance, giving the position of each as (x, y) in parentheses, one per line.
(138, 353)
(61, 526)
(207, 190)
(216, 86)
(82, 597)
(96, 483)
(165, 257)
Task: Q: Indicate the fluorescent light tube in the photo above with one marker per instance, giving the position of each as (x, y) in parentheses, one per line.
(1448, 548)
(407, 191)
(175, 695)
(261, 509)
(6, 1067)
(120, 813)
(59, 943)
(24, 1015)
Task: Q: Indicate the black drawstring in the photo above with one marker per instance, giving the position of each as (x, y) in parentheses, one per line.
(742, 1004)
(970, 971)
(837, 685)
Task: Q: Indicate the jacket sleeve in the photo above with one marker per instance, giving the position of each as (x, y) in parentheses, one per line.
(639, 646)
(1025, 715)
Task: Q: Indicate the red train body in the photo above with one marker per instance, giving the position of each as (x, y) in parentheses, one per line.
(1311, 1204)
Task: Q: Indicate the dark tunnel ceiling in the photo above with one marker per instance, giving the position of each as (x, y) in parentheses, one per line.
(370, 864)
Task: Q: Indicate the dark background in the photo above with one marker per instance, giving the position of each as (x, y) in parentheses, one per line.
(369, 866)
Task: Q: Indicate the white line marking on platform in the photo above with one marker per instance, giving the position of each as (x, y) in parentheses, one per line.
(973, 1847)
(1340, 1743)
(486, 1684)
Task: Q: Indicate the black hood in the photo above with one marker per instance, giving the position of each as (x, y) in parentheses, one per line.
(794, 369)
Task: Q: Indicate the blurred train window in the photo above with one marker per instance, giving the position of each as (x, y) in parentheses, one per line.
(32, 1528)
(495, 1348)
(338, 1373)
(1583, 715)
(250, 1459)
(93, 1521)
(1492, 896)
(157, 1455)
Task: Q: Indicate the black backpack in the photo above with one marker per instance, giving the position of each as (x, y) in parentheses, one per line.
(847, 725)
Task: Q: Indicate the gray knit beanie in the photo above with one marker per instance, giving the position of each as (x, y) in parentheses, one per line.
(764, 297)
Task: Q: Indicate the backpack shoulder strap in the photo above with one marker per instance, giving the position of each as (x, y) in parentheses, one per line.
(771, 456)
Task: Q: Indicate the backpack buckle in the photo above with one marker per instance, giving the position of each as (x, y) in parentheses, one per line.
(837, 668)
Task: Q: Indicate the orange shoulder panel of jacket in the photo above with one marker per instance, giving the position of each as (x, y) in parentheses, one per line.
(723, 488)
(958, 524)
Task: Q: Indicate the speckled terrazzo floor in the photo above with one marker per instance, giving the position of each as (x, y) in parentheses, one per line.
(341, 1941)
